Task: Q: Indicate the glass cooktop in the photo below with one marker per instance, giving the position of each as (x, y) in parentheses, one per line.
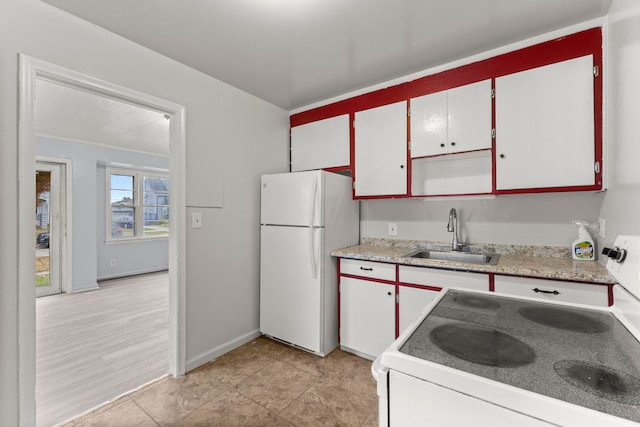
(586, 357)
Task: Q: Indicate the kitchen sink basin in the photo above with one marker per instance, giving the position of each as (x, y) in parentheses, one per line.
(464, 257)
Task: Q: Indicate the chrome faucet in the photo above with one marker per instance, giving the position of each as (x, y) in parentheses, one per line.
(452, 227)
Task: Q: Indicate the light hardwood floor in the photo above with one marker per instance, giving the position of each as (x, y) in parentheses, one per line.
(92, 347)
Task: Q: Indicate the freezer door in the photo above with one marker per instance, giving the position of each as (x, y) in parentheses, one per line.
(291, 278)
(292, 199)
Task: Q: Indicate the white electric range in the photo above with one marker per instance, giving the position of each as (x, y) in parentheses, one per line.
(485, 359)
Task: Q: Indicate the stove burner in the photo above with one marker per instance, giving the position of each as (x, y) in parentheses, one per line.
(476, 301)
(483, 346)
(563, 319)
(600, 380)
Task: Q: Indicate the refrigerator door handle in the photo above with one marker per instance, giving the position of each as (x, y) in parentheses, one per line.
(312, 252)
(312, 231)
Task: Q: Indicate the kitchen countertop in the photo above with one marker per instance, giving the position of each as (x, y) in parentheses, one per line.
(544, 262)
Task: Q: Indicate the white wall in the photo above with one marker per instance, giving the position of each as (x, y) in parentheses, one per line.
(228, 132)
(526, 219)
(91, 255)
(621, 205)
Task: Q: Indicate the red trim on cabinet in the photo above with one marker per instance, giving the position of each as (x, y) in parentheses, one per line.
(610, 295)
(352, 152)
(587, 42)
(492, 283)
(397, 301)
(425, 287)
(572, 46)
(338, 269)
(493, 138)
(338, 169)
(369, 279)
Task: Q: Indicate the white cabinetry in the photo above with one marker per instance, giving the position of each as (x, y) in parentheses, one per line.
(320, 145)
(371, 269)
(553, 290)
(452, 121)
(545, 126)
(367, 316)
(381, 150)
(443, 278)
(411, 302)
(455, 122)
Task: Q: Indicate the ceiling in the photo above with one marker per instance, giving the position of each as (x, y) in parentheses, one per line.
(73, 114)
(293, 53)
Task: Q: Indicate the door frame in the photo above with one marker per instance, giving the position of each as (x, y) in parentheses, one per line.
(31, 69)
(63, 237)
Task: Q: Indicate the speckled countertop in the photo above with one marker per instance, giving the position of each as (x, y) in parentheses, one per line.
(546, 262)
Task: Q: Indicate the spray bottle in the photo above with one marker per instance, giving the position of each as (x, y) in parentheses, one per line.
(583, 247)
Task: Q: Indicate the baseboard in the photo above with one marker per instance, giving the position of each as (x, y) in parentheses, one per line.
(92, 287)
(132, 273)
(209, 355)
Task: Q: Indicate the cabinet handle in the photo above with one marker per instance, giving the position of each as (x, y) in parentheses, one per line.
(453, 143)
(389, 293)
(442, 145)
(366, 269)
(554, 292)
(502, 156)
(401, 166)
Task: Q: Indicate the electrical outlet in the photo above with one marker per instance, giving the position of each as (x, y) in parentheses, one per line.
(601, 227)
(113, 262)
(196, 219)
(392, 229)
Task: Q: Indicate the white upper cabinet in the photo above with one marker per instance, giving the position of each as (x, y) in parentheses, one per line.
(320, 145)
(381, 150)
(452, 121)
(545, 126)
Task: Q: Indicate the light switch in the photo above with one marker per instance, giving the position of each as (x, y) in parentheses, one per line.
(196, 219)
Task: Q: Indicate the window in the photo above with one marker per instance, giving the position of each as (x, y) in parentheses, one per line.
(138, 205)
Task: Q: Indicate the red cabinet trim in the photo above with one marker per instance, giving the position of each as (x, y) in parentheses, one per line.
(587, 42)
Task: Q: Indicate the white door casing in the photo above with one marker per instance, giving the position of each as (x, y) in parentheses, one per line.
(30, 70)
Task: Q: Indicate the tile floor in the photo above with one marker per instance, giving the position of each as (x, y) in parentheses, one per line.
(263, 383)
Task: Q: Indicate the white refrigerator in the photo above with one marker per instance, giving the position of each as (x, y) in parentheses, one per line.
(304, 216)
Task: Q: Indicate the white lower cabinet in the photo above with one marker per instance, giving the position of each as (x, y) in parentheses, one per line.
(415, 402)
(443, 278)
(367, 316)
(553, 290)
(411, 302)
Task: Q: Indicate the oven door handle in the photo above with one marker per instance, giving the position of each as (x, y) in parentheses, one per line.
(542, 291)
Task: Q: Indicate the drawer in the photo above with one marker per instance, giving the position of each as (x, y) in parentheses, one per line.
(443, 278)
(552, 290)
(370, 269)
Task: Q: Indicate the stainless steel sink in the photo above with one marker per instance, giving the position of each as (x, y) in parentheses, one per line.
(465, 257)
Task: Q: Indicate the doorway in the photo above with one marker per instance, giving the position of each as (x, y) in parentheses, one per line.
(50, 227)
(31, 70)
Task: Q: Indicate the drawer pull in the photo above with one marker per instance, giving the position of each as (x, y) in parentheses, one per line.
(554, 292)
(366, 269)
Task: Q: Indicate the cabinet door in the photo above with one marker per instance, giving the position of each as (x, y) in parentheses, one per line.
(545, 126)
(429, 124)
(381, 150)
(443, 278)
(452, 121)
(367, 316)
(470, 117)
(411, 301)
(553, 290)
(322, 144)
